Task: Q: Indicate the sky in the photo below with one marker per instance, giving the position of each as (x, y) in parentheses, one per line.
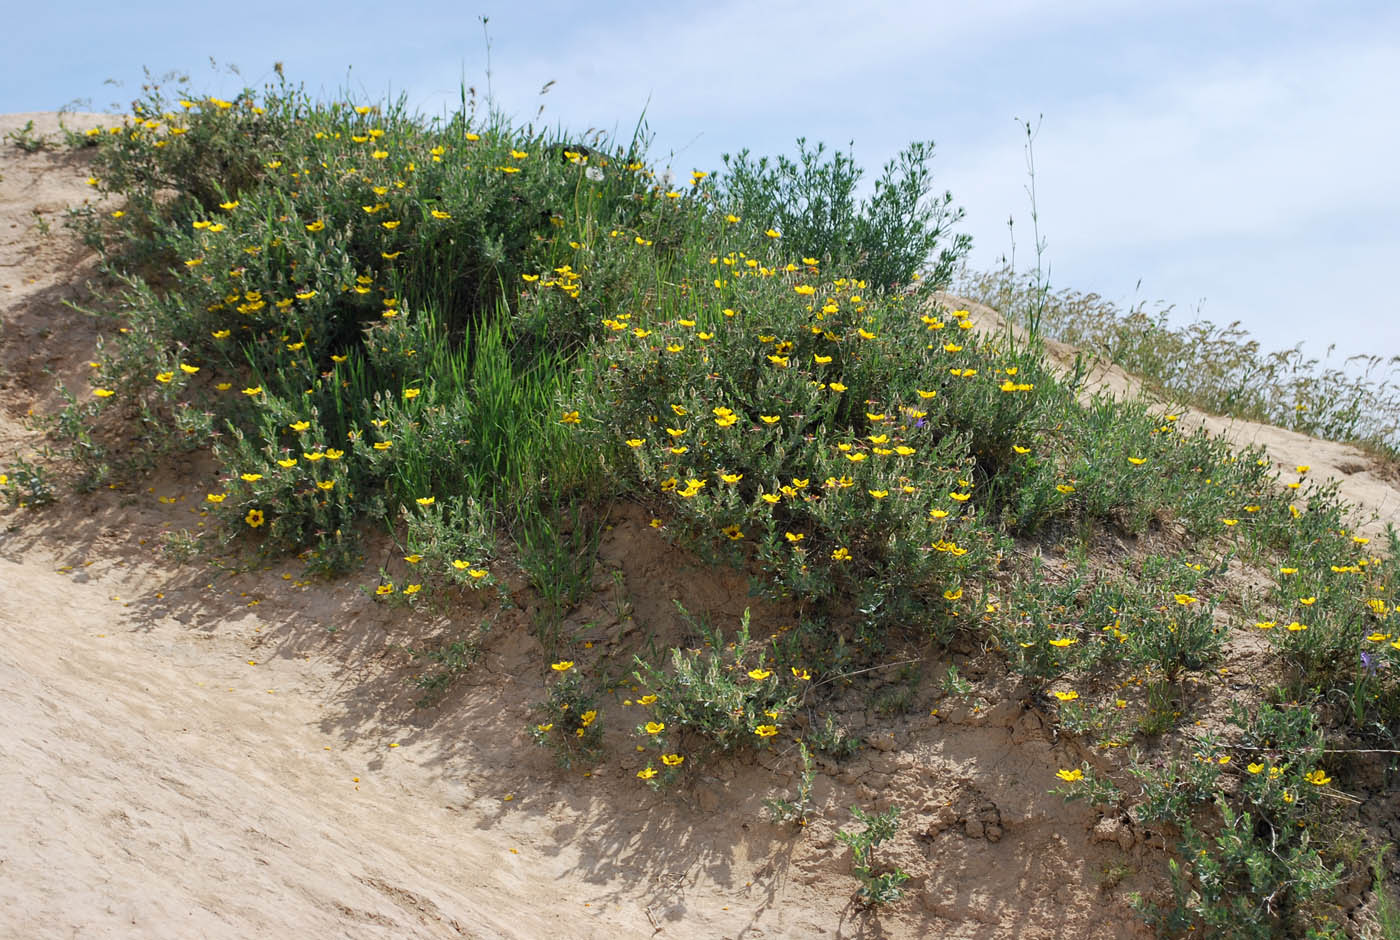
(1236, 160)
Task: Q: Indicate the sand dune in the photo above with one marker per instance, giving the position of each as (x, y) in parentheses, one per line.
(202, 751)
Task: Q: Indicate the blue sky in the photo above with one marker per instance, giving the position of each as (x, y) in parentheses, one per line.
(1239, 159)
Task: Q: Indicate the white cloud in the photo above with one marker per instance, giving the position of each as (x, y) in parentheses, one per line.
(1239, 166)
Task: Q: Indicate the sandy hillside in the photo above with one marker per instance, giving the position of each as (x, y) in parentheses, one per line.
(1360, 481)
(224, 749)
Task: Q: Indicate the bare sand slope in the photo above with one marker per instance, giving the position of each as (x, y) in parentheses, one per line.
(154, 788)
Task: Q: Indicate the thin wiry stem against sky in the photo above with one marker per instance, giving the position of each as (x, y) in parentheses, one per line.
(1236, 158)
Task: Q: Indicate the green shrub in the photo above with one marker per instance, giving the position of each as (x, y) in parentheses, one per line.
(876, 887)
(886, 239)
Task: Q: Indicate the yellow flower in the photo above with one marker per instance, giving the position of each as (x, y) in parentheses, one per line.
(878, 494)
(1070, 776)
(1266, 624)
(960, 497)
(1064, 488)
(255, 390)
(326, 484)
(802, 674)
(390, 226)
(794, 537)
(766, 731)
(841, 554)
(655, 727)
(287, 463)
(759, 674)
(647, 700)
(412, 393)
(1069, 696)
(103, 392)
(937, 513)
(383, 445)
(647, 773)
(254, 518)
(837, 387)
(1186, 599)
(1317, 778)
(731, 477)
(439, 214)
(413, 589)
(426, 500)
(1020, 450)
(564, 665)
(251, 477)
(1296, 627)
(1255, 768)
(1137, 461)
(1288, 571)
(188, 369)
(672, 760)
(384, 589)
(544, 727)
(477, 573)
(953, 594)
(216, 498)
(316, 226)
(1063, 641)
(1230, 522)
(1307, 601)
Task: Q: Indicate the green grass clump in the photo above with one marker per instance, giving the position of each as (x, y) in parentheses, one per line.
(480, 337)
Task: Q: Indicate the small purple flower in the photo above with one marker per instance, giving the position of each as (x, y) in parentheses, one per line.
(1370, 665)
